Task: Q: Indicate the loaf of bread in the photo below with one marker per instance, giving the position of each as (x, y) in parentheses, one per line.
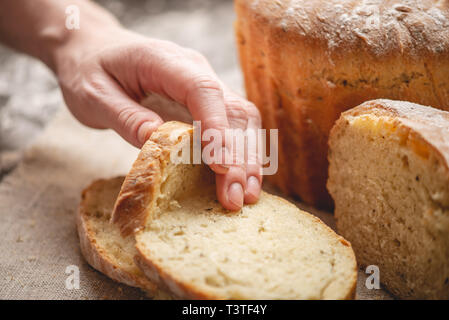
(189, 245)
(306, 61)
(389, 178)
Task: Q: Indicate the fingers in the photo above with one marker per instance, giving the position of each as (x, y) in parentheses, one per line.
(253, 161)
(230, 188)
(186, 77)
(244, 115)
(204, 98)
(253, 170)
(111, 107)
(132, 121)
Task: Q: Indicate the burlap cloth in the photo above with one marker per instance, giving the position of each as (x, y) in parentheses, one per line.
(38, 200)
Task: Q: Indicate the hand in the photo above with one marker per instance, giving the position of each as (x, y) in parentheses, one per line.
(103, 78)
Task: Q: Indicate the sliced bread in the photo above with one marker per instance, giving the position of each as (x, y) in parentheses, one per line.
(101, 242)
(389, 178)
(188, 244)
(147, 184)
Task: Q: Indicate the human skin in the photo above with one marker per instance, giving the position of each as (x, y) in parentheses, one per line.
(104, 71)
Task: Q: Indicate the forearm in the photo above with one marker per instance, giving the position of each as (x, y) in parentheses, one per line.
(38, 27)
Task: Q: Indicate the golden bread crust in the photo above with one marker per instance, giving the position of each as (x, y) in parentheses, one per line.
(305, 62)
(95, 255)
(383, 28)
(140, 188)
(427, 125)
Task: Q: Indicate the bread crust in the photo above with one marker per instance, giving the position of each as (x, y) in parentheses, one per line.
(181, 290)
(169, 283)
(305, 62)
(427, 125)
(94, 254)
(141, 186)
(396, 28)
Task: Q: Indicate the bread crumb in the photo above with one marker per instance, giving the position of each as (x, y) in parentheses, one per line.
(174, 205)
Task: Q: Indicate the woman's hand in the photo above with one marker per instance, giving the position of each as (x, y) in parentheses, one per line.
(104, 76)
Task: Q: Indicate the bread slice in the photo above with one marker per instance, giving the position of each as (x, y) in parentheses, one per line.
(188, 244)
(389, 178)
(101, 242)
(146, 186)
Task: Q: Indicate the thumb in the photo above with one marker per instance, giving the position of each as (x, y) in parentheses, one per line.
(129, 119)
(134, 122)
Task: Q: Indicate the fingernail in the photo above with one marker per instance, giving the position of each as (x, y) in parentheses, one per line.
(235, 194)
(253, 186)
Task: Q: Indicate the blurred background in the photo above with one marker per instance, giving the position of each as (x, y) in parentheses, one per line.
(29, 93)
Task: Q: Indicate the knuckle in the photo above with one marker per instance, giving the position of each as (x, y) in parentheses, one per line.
(254, 114)
(214, 122)
(129, 120)
(206, 82)
(202, 85)
(235, 110)
(252, 111)
(92, 88)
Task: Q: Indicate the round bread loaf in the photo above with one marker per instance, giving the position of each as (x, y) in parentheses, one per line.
(305, 62)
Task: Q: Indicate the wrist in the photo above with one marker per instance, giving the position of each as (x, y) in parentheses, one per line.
(77, 44)
(64, 45)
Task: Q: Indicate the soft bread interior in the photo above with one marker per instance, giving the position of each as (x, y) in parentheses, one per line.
(391, 191)
(188, 244)
(270, 250)
(98, 203)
